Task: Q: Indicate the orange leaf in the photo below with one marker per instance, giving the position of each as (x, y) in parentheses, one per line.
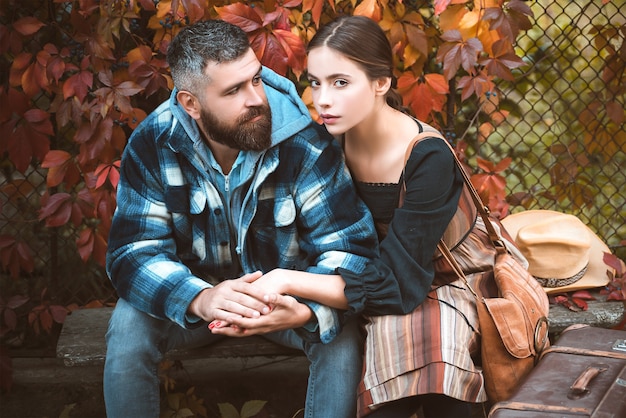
(316, 7)
(45, 318)
(369, 8)
(28, 25)
(78, 85)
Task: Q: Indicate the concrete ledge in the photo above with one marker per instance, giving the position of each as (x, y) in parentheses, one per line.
(82, 343)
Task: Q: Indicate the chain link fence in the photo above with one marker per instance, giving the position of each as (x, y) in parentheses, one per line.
(567, 155)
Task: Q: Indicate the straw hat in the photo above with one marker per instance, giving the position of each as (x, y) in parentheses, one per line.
(563, 253)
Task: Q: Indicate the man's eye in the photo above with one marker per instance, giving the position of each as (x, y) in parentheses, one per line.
(256, 80)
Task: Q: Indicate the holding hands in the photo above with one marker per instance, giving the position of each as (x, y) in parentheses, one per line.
(251, 304)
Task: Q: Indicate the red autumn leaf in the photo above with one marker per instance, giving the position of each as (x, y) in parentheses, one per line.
(96, 46)
(28, 25)
(147, 5)
(440, 6)
(478, 85)
(84, 243)
(293, 48)
(91, 243)
(85, 202)
(104, 203)
(490, 183)
(61, 167)
(20, 63)
(583, 294)
(27, 138)
(417, 38)
(581, 303)
(56, 210)
(617, 295)
(15, 256)
(195, 9)
(242, 15)
(510, 19)
(557, 298)
(16, 301)
(59, 313)
(456, 52)
(147, 70)
(614, 262)
(276, 48)
(79, 84)
(40, 121)
(10, 41)
(115, 94)
(502, 61)
(95, 137)
(55, 68)
(109, 172)
(45, 320)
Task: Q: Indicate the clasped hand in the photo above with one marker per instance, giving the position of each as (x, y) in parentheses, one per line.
(252, 304)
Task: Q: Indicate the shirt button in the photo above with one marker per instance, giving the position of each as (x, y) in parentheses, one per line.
(217, 211)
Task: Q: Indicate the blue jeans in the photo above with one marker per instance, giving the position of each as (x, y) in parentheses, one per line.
(137, 342)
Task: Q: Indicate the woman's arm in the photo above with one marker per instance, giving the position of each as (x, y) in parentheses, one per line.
(327, 289)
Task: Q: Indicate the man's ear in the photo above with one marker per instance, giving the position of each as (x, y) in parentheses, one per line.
(383, 84)
(189, 102)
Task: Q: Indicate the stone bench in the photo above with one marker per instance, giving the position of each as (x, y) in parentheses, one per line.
(82, 342)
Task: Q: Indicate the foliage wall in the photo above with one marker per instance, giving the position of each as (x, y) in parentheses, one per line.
(77, 76)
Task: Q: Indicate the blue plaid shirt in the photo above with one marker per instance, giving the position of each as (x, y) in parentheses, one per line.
(293, 206)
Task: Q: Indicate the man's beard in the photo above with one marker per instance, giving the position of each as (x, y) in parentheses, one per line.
(243, 135)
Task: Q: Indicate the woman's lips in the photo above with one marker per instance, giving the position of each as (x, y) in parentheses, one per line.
(329, 119)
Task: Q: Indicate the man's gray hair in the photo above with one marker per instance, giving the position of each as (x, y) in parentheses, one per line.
(197, 45)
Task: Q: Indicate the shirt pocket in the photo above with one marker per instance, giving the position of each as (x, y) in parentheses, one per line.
(275, 233)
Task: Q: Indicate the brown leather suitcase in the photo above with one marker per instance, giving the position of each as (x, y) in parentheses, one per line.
(582, 375)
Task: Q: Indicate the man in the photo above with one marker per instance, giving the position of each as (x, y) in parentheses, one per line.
(230, 176)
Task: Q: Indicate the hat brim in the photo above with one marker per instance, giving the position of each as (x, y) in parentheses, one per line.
(596, 275)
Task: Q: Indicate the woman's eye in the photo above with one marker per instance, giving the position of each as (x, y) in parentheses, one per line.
(314, 83)
(340, 83)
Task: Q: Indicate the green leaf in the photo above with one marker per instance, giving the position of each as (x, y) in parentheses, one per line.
(227, 410)
(251, 408)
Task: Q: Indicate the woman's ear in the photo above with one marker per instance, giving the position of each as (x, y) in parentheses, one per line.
(382, 86)
(189, 102)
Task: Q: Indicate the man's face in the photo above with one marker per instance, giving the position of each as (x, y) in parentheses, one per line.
(234, 109)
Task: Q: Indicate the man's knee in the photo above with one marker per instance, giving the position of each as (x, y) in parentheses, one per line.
(131, 332)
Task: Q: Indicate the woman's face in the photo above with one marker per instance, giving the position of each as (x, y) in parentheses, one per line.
(342, 94)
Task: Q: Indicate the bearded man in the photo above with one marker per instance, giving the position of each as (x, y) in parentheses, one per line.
(228, 180)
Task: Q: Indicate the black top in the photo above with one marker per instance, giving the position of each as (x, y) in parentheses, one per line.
(399, 280)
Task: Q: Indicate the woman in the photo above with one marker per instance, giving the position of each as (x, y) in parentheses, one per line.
(426, 358)
(422, 341)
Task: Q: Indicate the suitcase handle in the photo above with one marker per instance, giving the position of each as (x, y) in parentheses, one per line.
(579, 387)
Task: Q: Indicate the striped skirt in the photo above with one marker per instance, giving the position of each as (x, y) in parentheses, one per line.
(435, 348)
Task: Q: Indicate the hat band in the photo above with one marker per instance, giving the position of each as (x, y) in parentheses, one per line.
(554, 282)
